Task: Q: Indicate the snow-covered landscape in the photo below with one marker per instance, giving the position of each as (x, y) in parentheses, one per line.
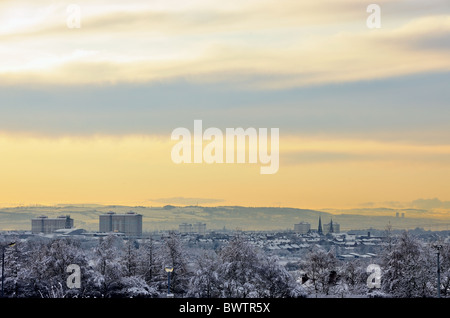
(236, 266)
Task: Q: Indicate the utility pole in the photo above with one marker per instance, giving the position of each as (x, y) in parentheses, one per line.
(3, 269)
(3, 266)
(438, 273)
(438, 249)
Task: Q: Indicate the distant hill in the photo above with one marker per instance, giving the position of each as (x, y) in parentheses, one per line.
(230, 217)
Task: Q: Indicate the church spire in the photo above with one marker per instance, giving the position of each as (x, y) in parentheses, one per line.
(319, 229)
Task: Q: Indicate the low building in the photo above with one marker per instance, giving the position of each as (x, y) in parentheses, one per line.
(199, 228)
(331, 227)
(302, 228)
(129, 223)
(185, 228)
(46, 225)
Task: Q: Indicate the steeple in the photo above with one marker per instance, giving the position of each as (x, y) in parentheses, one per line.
(319, 229)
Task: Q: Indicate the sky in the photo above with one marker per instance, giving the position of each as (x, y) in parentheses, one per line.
(90, 92)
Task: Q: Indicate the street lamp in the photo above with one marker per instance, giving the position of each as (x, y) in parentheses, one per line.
(3, 263)
(438, 250)
(169, 269)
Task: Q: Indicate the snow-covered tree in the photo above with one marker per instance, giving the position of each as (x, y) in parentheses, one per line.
(353, 277)
(108, 268)
(205, 282)
(172, 254)
(150, 263)
(274, 281)
(239, 266)
(445, 269)
(243, 271)
(130, 258)
(320, 268)
(408, 269)
(135, 287)
(16, 270)
(43, 270)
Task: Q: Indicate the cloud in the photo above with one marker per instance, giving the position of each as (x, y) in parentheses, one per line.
(423, 205)
(326, 157)
(263, 45)
(434, 203)
(171, 17)
(186, 201)
(304, 151)
(424, 33)
(408, 110)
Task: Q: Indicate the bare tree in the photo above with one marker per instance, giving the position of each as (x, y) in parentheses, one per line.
(108, 267)
(150, 262)
(173, 254)
(321, 268)
(407, 268)
(130, 258)
(205, 282)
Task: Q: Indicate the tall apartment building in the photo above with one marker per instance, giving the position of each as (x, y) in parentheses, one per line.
(302, 228)
(46, 225)
(129, 223)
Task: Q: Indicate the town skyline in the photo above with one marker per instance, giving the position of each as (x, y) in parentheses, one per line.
(170, 217)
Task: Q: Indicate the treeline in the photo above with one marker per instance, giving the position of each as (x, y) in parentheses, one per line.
(126, 268)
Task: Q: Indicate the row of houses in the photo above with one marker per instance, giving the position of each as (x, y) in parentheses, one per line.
(196, 228)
